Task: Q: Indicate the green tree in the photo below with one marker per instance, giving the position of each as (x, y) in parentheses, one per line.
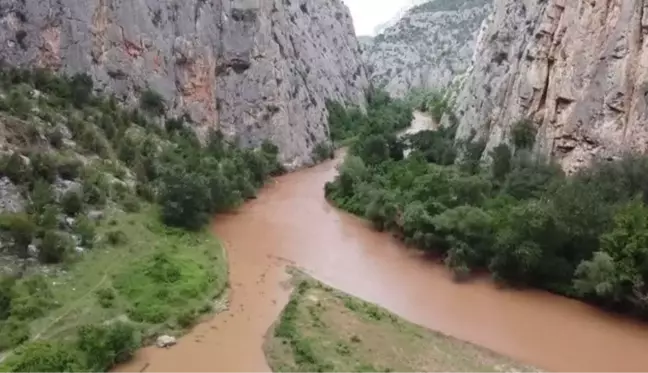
(72, 202)
(501, 162)
(185, 200)
(21, 230)
(523, 134)
(55, 247)
(106, 345)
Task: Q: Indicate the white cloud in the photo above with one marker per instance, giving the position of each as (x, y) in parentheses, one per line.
(367, 14)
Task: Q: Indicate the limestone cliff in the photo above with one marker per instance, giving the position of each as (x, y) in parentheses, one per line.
(577, 68)
(255, 69)
(427, 47)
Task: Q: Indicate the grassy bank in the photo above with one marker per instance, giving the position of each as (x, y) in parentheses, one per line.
(322, 329)
(159, 280)
(156, 276)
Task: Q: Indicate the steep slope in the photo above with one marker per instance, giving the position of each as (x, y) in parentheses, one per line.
(577, 68)
(427, 47)
(254, 69)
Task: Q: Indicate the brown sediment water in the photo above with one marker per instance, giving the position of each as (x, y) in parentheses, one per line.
(291, 223)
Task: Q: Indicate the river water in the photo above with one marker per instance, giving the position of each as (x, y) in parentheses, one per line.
(291, 223)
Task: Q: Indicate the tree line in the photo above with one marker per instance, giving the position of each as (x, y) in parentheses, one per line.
(516, 214)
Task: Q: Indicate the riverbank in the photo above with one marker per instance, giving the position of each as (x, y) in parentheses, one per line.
(158, 279)
(323, 329)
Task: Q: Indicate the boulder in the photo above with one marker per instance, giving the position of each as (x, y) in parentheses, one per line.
(165, 341)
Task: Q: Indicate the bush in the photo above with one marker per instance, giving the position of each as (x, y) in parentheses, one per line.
(185, 200)
(41, 196)
(85, 229)
(43, 356)
(501, 162)
(44, 166)
(70, 168)
(72, 202)
(16, 169)
(106, 297)
(55, 247)
(152, 102)
(48, 219)
(187, 319)
(7, 293)
(13, 333)
(22, 231)
(107, 345)
(56, 138)
(116, 237)
(322, 151)
(131, 203)
(523, 134)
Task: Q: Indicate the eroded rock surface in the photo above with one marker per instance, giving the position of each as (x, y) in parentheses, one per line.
(256, 69)
(577, 68)
(427, 47)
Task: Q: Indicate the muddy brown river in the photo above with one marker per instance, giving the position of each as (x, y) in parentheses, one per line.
(291, 223)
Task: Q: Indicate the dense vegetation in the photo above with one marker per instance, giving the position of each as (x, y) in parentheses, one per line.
(518, 215)
(77, 158)
(377, 127)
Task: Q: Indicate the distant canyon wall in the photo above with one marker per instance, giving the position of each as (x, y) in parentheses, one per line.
(428, 47)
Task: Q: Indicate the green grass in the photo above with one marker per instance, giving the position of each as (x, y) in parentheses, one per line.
(154, 276)
(322, 329)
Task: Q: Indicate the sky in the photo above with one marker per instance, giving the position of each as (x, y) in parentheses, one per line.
(367, 14)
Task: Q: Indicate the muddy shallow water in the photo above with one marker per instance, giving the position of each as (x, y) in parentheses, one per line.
(291, 223)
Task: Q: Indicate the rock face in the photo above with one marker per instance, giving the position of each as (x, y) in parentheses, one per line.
(427, 47)
(255, 69)
(577, 68)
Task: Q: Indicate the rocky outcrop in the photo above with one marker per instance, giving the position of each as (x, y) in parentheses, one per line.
(255, 69)
(577, 68)
(427, 47)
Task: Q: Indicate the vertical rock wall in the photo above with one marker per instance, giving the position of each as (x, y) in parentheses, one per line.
(255, 69)
(577, 68)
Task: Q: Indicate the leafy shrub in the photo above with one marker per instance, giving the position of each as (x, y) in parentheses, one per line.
(70, 168)
(56, 138)
(48, 218)
(106, 297)
(41, 196)
(85, 229)
(72, 202)
(501, 162)
(322, 151)
(116, 237)
(55, 247)
(13, 333)
(44, 166)
(107, 345)
(523, 134)
(22, 231)
(185, 200)
(93, 141)
(7, 293)
(33, 297)
(43, 356)
(152, 102)
(16, 169)
(187, 319)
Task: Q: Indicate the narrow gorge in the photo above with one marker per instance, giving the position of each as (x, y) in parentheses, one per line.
(266, 185)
